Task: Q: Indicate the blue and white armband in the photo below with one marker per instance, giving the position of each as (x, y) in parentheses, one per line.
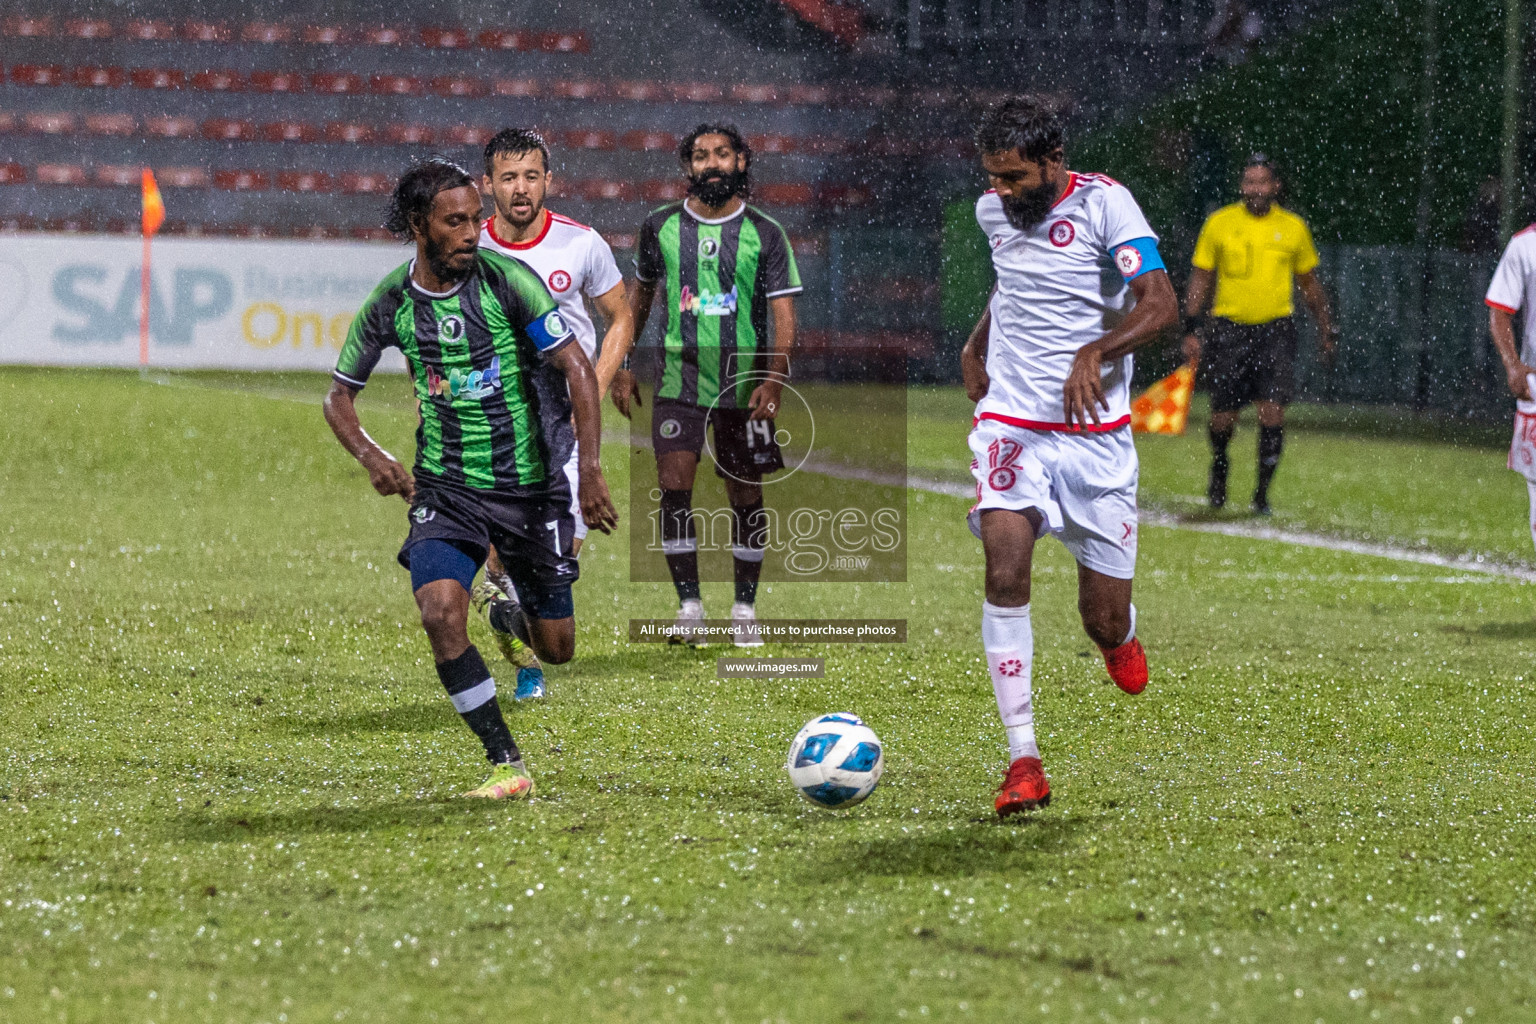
(550, 331)
(1137, 257)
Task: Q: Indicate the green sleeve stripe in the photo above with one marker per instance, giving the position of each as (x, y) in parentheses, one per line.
(352, 348)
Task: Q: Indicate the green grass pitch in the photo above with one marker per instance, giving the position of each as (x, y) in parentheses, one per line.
(228, 774)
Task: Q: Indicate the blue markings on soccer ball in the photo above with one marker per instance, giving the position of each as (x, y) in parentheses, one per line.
(816, 748)
(830, 795)
(862, 759)
(840, 717)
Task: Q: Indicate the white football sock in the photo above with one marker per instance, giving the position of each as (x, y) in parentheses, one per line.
(1132, 634)
(1009, 640)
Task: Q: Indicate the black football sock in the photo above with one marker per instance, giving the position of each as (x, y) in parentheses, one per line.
(1271, 444)
(1217, 490)
(473, 692)
(508, 617)
(749, 538)
(679, 543)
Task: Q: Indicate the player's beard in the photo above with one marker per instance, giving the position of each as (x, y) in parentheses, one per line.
(437, 260)
(1029, 207)
(715, 188)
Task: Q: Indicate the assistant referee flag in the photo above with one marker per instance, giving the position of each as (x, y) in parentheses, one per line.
(1164, 407)
(153, 210)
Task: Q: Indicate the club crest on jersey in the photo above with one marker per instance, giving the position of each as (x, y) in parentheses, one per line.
(1128, 259)
(707, 303)
(709, 248)
(1061, 234)
(423, 514)
(451, 327)
(670, 429)
(559, 281)
(459, 384)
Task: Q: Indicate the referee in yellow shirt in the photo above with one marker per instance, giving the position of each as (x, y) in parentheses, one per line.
(1255, 252)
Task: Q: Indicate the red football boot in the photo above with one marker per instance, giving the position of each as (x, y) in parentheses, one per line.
(1127, 666)
(1024, 788)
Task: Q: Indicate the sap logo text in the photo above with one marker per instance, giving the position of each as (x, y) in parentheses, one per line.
(458, 384)
(96, 312)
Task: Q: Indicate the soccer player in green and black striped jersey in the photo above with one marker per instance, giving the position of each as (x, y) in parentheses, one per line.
(496, 375)
(725, 269)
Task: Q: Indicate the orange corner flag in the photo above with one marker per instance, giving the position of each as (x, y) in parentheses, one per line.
(1164, 407)
(154, 206)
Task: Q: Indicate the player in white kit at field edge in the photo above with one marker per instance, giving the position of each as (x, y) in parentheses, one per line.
(577, 265)
(1511, 292)
(1080, 286)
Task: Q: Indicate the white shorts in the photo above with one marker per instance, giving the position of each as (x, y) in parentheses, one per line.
(1083, 484)
(1522, 449)
(570, 474)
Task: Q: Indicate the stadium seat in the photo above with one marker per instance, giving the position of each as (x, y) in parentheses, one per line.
(219, 81)
(469, 135)
(445, 38)
(842, 195)
(119, 226)
(620, 240)
(181, 177)
(290, 131)
(507, 39)
(771, 143)
(58, 123)
(87, 28)
(118, 175)
(241, 181)
(92, 77)
(564, 42)
(367, 183)
(754, 93)
(171, 127)
(207, 32)
(460, 85)
(12, 173)
(226, 129)
(37, 74)
(520, 88)
(785, 194)
(29, 28)
(590, 139)
(61, 174)
(638, 92)
(324, 35)
(276, 81)
(650, 141)
(402, 134)
(337, 83)
(395, 85)
(303, 181)
(374, 234)
(348, 131)
(117, 125)
(157, 78)
(823, 145)
(8, 121)
(382, 35)
(603, 188)
(668, 190)
(809, 95)
(577, 89)
(79, 224)
(148, 30)
(266, 32)
(696, 92)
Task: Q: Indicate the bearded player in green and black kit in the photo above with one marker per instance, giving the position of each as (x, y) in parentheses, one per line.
(725, 268)
(496, 376)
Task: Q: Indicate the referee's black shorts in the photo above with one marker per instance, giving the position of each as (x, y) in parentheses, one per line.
(1242, 363)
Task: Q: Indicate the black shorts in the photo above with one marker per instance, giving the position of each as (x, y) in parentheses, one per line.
(532, 533)
(1242, 363)
(744, 448)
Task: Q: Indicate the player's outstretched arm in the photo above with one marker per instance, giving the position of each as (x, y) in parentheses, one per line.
(592, 490)
(1156, 310)
(384, 470)
(766, 398)
(618, 339)
(625, 389)
(1501, 325)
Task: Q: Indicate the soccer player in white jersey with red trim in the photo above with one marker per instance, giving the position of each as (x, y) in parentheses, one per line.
(577, 265)
(1080, 286)
(1512, 292)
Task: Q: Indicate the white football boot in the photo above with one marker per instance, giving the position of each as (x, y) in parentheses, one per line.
(744, 626)
(689, 625)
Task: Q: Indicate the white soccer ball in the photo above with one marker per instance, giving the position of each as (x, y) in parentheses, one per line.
(835, 760)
